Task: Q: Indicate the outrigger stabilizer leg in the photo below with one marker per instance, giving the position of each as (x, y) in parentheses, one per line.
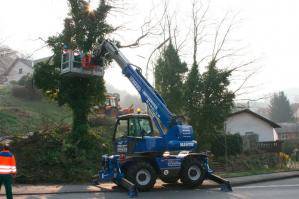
(224, 184)
(123, 182)
(111, 171)
(128, 185)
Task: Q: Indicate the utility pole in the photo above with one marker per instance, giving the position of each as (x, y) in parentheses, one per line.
(225, 148)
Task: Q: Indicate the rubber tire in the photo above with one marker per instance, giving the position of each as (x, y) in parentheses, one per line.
(134, 168)
(169, 180)
(184, 173)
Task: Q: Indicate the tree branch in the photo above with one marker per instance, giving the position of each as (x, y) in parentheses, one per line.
(157, 48)
(136, 43)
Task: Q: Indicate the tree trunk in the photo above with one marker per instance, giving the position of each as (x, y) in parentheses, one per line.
(80, 125)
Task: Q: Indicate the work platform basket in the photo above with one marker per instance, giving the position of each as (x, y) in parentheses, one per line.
(74, 64)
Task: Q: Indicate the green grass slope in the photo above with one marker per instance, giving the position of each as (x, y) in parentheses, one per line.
(19, 116)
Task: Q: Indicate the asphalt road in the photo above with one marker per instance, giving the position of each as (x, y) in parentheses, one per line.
(285, 189)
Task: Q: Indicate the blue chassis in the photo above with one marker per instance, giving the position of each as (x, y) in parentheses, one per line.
(112, 169)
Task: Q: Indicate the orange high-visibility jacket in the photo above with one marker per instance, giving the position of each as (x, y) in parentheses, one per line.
(7, 163)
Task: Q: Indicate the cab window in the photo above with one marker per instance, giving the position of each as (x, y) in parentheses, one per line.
(145, 126)
(139, 127)
(122, 129)
(112, 102)
(132, 128)
(107, 102)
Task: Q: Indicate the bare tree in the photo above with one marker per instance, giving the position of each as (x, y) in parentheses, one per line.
(198, 26)
(242, 69)
(245, 70)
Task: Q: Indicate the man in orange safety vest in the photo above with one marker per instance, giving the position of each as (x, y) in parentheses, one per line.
(7, 170)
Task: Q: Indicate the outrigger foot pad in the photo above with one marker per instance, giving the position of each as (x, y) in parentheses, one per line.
(226, 187)
(95, 180)
(224, 184)
(132, 190)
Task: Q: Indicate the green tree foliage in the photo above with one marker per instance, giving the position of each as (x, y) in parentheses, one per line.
(208, 101)
(193, 95)
(82, 30)
(280, 108)
(169, 73)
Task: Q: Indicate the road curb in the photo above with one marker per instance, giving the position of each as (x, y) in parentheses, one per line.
(235, 182)
(266, 179)
(54, 193)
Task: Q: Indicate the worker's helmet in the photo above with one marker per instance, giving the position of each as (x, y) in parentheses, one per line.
(138, 110)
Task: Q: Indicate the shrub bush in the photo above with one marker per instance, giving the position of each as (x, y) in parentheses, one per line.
(49, 157)
(26, 81)
(25, 89)
(247, 162)
(231, 143)
(25, 93)
(288, 146)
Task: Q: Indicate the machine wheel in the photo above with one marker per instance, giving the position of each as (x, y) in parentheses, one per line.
(143, 175)
(192, 173)
(169, 179)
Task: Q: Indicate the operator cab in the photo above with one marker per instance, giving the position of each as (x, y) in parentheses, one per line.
(110, 101)
(133, 133)
(133, 125)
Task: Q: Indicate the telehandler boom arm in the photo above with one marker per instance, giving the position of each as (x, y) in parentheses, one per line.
(148, 94)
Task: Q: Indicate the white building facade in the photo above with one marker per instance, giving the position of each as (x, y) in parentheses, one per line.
(296, 115)
(246, 122)
(13, 67)
(18, 70)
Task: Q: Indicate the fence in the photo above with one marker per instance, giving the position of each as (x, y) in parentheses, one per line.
(275, 146)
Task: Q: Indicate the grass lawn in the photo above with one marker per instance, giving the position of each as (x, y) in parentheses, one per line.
(18, 116)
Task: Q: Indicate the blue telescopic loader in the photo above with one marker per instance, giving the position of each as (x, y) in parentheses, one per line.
(141, 154)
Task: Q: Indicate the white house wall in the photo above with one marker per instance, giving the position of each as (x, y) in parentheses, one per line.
(245, 122)
(14, 73)
(296, 115)
(275, 134)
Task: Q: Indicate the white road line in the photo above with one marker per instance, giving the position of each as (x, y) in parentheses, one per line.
(267, 186)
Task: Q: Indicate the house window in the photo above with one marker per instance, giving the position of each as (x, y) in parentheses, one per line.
(253, 137)
(249, 133)
(20, 70)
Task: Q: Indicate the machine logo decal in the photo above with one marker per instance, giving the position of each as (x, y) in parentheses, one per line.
(186, 144)
(122, 148)
(173, 163)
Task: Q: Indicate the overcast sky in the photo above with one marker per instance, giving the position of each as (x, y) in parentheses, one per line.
(268, 29)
